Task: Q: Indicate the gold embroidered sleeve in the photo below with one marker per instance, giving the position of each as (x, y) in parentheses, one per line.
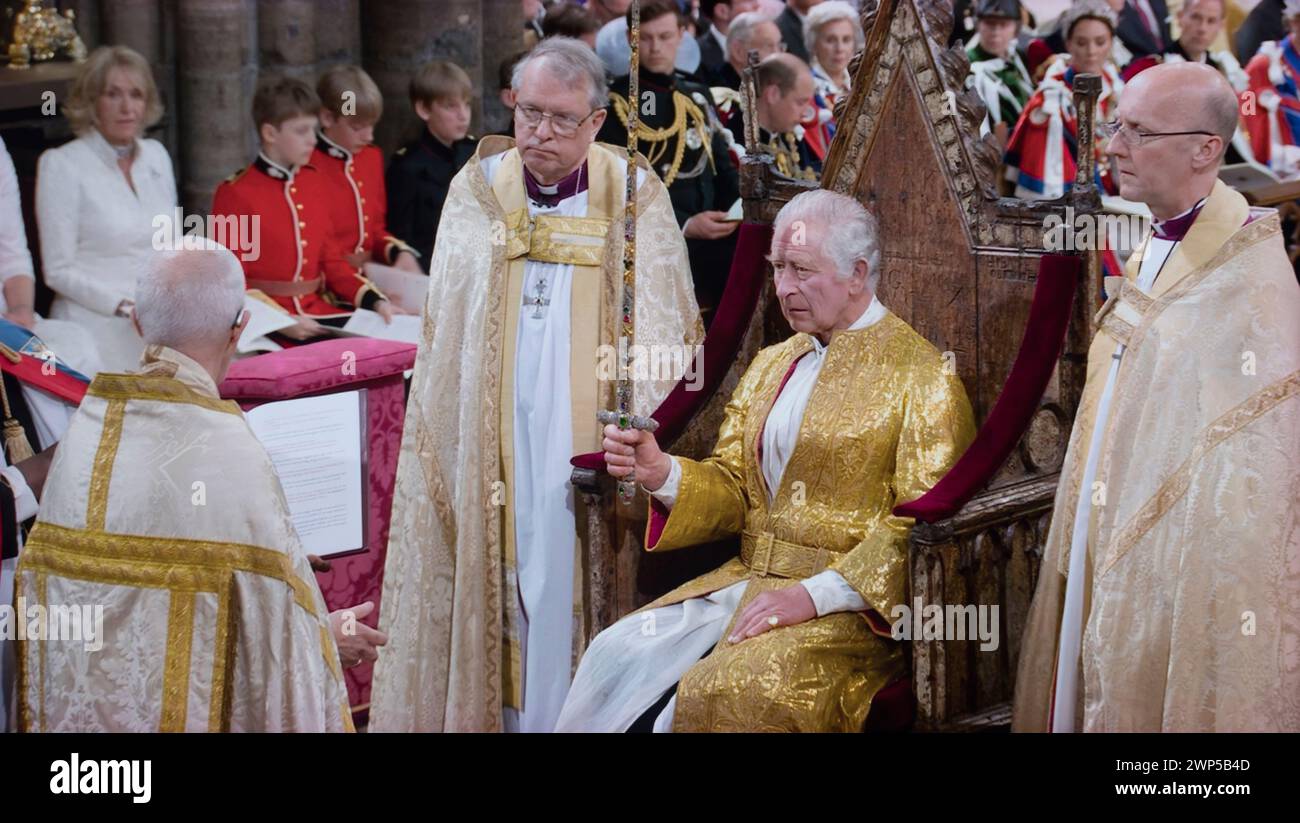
(711, 501)
(937, 427)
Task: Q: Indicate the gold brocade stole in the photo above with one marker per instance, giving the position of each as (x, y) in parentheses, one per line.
(184, 567)
(1124, 309)
(579, 241)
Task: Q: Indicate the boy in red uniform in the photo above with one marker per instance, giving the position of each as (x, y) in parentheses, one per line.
(298, 260)
(351, 104)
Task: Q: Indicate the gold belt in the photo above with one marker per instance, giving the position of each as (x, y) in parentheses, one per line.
(768, 557)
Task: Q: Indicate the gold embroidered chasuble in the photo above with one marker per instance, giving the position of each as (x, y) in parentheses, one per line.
(1193, 544)
(163, 508)
(883, 424)
(449, 603)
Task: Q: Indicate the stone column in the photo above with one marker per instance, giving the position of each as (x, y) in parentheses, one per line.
(286, 32)
(503, 36)
(216, 72)
(338, 33)
(399, 36)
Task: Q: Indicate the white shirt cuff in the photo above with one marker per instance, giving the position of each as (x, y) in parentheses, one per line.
(667, 493)
(831, 593)
(25, 504)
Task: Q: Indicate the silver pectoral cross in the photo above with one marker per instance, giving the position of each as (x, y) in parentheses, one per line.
(538, 301)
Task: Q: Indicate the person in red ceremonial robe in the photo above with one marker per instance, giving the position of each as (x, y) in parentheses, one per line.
(1040, 157)
(351, 104)
(294, 256)
(1271, 107)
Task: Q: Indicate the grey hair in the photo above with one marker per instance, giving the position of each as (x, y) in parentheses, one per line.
(829, 12)
(849, 232)
(570, 61)
(743, 25)
(1220, 105)
(191, 296)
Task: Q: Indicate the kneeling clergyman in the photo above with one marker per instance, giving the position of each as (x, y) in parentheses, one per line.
(198, 613)
(825, 434)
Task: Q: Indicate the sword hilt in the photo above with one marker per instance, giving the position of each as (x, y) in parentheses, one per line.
(625, 421)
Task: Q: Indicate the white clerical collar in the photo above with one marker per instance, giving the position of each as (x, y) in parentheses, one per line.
(874, 314)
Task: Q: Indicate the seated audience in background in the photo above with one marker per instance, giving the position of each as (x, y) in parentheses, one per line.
(421, 171)
(351, 105)
(833, 34)
(1040, 153)
(1273, 121)
(97, 198)
(996, 71)
(299, 262)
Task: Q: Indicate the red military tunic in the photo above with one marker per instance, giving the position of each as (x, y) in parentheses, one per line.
(296, 260)
(359, 204)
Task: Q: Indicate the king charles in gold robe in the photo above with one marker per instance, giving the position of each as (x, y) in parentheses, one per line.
(825, 434)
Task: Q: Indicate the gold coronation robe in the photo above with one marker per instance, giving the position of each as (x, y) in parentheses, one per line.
(449, 605)
(1192, 574)
(883, 424)
(162, 508)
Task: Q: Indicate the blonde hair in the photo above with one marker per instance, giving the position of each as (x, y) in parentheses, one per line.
(92, 79)
(367, 101)
(440, 80)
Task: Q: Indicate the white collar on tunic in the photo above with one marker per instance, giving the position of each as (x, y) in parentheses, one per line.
(874, 314)
(105, 150)
(343, 154)
(287, 172)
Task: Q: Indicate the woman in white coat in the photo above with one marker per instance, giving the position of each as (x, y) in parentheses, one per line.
(98, 198)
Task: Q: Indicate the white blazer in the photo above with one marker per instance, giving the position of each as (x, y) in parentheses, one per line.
(97, 235)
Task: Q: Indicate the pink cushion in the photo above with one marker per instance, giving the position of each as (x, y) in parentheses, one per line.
(316, 367)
